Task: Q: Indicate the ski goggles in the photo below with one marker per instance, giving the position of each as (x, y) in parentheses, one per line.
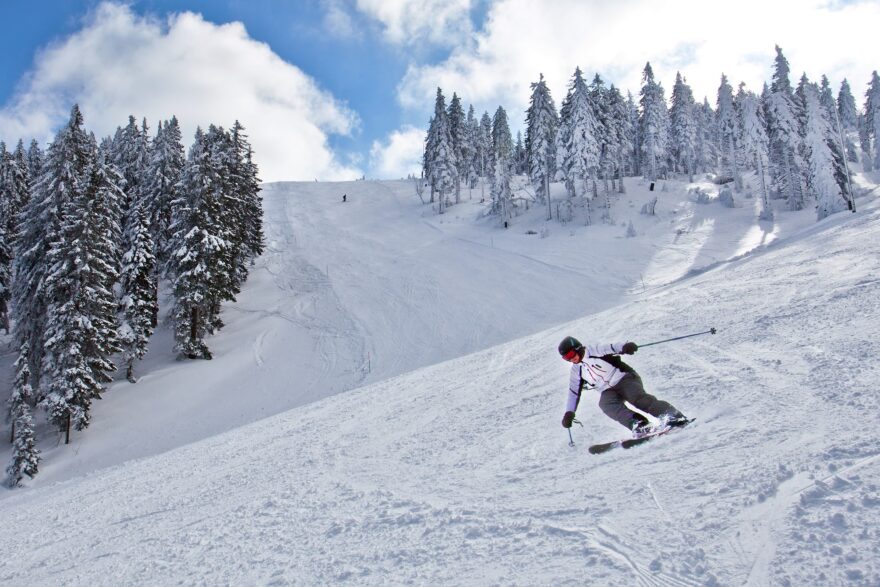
(571, 355)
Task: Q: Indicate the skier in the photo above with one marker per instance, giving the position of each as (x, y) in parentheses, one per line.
(599, 368)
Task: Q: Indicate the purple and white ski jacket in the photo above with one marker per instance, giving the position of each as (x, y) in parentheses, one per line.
(593, 373)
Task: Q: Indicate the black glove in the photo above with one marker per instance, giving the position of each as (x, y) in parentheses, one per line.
(567, 419)
(629, 348)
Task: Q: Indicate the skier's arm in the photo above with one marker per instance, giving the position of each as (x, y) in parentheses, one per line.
(575, 384)
(598, 350)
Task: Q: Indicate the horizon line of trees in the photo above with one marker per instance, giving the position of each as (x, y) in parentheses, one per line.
(798, 140)
(88, 229)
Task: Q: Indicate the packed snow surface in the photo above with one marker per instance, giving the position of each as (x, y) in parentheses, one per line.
(384, 408)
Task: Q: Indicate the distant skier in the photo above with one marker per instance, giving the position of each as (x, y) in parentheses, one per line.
(344, 197)
(599, 368)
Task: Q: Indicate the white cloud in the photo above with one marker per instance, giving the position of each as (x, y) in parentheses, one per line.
(405, 22)
(338, 21)
(400, 155)
(702, 39)
(120, 64)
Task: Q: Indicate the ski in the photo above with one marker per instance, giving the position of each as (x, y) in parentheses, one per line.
(631, 442)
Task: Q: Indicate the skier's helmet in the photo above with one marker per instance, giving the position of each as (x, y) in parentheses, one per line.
(569, 346)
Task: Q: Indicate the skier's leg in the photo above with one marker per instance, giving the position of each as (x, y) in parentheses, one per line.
(631, 389)
(611, 404)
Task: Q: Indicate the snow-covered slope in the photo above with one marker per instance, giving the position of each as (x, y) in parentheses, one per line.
(356, 292)
(458, 473)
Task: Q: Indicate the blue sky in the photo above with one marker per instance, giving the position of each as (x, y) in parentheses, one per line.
(336, 89)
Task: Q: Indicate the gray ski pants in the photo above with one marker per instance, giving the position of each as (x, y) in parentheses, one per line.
(630, 389)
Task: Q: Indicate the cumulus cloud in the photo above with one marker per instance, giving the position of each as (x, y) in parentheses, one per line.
(699, 38)
(338, 21)
(405, 22)
(120, 64)
(400, 155)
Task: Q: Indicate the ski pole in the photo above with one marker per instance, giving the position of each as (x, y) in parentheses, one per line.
(570, 439)
(710, 331)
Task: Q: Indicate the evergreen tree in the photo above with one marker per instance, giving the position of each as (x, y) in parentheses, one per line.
(706, 155)
(25, 456)
(15, 187)
(485, 149)
(502, 157)
(727, 132)
(541, 124)
(872, 115)
(683, 127)
(846, 107)
(246, 187)
(160, 187)
(472, 150)
(456, 120)
(5, 280)
(849, 119)
(654, 125)
(440, 163)
(519, 156)
(821, 152)
(81, 326)
(198, 262)
(634, 157)
(34, 160)
(786, 163)
(619, 134)
(600, 103)
(577, 142)
(755, 143)
(865, 143)
(138, 283)
(62, 180)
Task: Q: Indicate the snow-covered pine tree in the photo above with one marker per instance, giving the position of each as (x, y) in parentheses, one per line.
(81, 323)
(541, 124)
(18, 186)
(619, 135)
(577, 145)
(440, 163)
(727, 132)
(129, 153)
(634, 155)
(786, 163)
(5, 279)
(683, 127)
(872, 116)
(472, 149)
(821, 152)
(599, 101)
(849, 119)
(846, 107)
(455, 118)
(502, 157)
(755, 143)
(160, 188)
(14, 188)
(199, 247)
(138, 282)
(654, 125)
(25, 455)
(246, 187)
(706, 155)
(485, 151)
(62, 179)
(34, 160)
(519, 155)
